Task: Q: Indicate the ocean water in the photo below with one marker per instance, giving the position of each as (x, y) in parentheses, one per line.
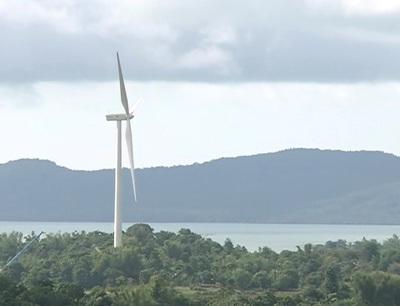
(278, 237)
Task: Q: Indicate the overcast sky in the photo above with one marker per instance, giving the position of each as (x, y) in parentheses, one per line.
(217, 78)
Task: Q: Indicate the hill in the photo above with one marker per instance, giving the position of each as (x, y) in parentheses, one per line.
(291, 186)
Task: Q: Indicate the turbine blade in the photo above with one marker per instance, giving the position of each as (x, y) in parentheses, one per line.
(128, 136)
(134, 106)
(124, 98)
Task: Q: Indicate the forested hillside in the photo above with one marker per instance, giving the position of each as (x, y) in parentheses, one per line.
(292, 186)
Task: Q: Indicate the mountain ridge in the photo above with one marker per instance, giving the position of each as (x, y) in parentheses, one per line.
(290, 186)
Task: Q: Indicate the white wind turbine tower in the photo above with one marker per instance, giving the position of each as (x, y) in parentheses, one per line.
(127, 116)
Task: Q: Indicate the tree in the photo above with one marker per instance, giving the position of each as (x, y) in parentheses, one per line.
(377, 288)
(287, 280)
(228, 246)
(368, 248)
(97, 296)
(142, 232)
(242, 279)
(262, 280)
(331, 283)
(10, 293)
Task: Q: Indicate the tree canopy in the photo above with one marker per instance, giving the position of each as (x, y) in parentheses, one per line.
(184, 268)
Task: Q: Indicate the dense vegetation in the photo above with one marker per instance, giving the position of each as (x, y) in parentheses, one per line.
(164, 268)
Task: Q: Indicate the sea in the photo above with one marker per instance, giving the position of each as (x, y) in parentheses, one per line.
(278, 237)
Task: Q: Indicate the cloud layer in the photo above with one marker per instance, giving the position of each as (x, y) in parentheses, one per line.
(207, 41)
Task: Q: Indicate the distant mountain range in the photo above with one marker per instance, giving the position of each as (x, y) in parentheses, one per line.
(291, 186)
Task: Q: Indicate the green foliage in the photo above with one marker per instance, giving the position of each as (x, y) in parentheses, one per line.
(10, 293)
(262, 280)
(152, 268)
(377, 288)
(287, 279)
(331, 284)
(9, 245)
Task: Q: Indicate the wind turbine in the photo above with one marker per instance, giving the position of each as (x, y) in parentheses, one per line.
(127, 116)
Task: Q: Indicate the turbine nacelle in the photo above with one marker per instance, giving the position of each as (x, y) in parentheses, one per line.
(119, 117)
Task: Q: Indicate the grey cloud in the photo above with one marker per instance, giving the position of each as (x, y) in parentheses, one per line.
(264, 41)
